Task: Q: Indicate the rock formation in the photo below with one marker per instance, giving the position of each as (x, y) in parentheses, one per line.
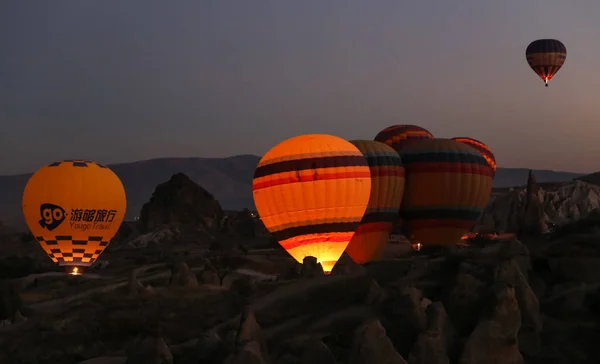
(560, 205)
(532, 217)
(181, 202)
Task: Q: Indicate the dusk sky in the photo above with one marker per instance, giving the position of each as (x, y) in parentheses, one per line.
(120, 81)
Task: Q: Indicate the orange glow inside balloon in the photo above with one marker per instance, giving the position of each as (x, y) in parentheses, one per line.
(311, 193)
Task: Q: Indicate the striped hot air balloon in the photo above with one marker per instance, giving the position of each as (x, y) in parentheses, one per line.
(387, 189)
(311, 192)
(546, 57)
(399, 136)
(485, 151)
(448, 184)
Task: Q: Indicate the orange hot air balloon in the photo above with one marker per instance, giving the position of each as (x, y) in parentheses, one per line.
(387, 189)
(485, 151)
(399, 136)
(448, 184)
(311, 192)
(73, 208)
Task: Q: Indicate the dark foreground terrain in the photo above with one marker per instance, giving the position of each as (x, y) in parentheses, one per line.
(500, 302)
(189, 283)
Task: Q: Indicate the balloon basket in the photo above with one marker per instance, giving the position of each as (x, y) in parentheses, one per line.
(73, 270)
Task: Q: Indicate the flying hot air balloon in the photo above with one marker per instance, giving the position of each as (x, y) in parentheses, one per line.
(387, 189)
(73, 208)
(546, 57)
(448, 184)
(485, 151)
(399, 136)
(311, 192)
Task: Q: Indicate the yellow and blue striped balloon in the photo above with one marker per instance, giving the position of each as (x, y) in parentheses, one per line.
(387, 189)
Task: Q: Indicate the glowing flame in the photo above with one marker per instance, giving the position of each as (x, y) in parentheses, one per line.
(75, 271)
(417, 246)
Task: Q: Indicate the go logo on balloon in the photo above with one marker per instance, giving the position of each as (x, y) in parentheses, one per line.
(51, 216)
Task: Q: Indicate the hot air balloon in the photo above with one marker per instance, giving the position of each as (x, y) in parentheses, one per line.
(546, 57)
(73, 208)
(399, 136)
(311, 192)
(387, 188)
(448, 184)
(482, 148)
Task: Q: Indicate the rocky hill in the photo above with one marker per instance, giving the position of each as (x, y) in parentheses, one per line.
(184, 286)
(591, 178)
(228, 179)
(560, 204)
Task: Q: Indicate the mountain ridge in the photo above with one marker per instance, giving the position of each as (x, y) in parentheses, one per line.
(229, 179)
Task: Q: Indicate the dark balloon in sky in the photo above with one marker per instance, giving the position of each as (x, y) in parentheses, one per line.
(399, 136)
(546, 57)
(485, 151)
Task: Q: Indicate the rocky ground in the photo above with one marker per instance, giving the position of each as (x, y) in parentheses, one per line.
(228, 294)
(499, 302)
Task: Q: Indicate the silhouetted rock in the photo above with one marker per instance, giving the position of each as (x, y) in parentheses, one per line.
(372, 345)
(209, 274)
(152, 350)
(316, 352)
(182, 276)
(181, 202)
(249, 353)
(161, 235)
(463, 302)
(406, 317)
(529, 307)
(532, 219)
(210, 348)
(310, 268)
(430, 348)
(10, 301)
(241, 223)
(248, 332)
(494, 340)
(345, 265)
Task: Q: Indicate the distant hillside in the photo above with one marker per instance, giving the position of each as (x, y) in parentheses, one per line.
(229, 179)
(514, 177)
(591, 178)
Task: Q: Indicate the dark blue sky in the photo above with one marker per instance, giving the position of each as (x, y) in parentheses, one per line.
(119, 81)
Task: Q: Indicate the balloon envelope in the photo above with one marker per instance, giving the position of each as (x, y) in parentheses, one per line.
(485, 151)
(387, 189)
(399, 136)
(311, 192)
(448, 184)
(546, 57)
(73, 209)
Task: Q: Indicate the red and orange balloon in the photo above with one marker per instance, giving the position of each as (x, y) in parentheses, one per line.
(311, 192)
(448, 185)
